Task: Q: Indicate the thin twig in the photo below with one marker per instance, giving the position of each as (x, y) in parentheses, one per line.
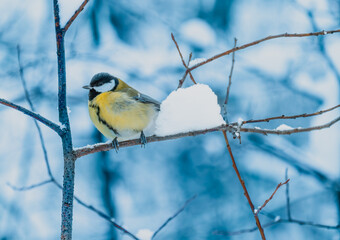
(262, 40)
(27, 96)
(292, 117)
(242, 231)
(25, 188)
(183, 62)
(231, 74)
(76, 13)
(287, 196)
(271, 196)
(258, 224)
(174, 216)
(52, 125)
(290, 131)
(82, 151)
(274, 222)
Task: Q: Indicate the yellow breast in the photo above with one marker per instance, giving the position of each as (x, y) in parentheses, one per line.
(115, 114)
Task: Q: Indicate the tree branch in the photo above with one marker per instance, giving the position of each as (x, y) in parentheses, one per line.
(232, 127)
(271, 197)
(290, 131)
(274, 222)
(230, 74)
(74, 16)
(184, 64)
(292, 117)
(258, 224)
(174, 216)
(54, 126)
(25, 188)
(262, 40)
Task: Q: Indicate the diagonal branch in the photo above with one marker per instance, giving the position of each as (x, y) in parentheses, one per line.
(74, 16)
(290, 131)
(27, 96)
(257, 220)
(25, 188)
(262, 40)
(271, 196)
(174, 216)
(293, 116)
(184, 64)
(52, 125)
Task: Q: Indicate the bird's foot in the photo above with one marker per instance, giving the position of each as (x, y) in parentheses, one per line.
(115, 144)
(142, 139)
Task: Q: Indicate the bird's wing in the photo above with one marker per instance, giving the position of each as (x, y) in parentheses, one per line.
(140, 97)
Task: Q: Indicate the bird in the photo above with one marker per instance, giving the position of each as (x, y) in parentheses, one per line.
(119, 111)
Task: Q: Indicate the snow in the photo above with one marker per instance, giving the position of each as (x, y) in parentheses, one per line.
(198, 32)
(144, 234)
(284, 127)
(239, 121)
(196, 61)
(189, 109)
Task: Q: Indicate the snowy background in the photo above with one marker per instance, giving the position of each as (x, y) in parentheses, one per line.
(141, 188)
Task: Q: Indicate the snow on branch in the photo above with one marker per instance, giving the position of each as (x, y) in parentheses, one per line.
(232, 127)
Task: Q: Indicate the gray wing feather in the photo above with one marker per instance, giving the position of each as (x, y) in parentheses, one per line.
(146, 99)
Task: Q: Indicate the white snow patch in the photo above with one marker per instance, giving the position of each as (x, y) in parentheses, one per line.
(198, 32)
(239, 121)
(283, 127)
(189, 109)
(277, 218)
(196, 61)
(144, 234)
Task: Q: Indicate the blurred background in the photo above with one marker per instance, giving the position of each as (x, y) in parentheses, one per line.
(141, 188)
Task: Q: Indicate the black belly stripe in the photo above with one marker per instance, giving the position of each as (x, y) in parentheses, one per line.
(96, 107)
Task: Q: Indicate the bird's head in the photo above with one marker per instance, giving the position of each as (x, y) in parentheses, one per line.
(101, 82)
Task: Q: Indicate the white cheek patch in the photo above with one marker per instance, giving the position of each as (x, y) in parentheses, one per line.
(105, 87)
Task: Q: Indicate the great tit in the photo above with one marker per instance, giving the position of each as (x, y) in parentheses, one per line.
(118, 111)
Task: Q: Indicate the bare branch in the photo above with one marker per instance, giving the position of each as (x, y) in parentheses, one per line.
(174, 216)
(258, 224)
(231, 74)
(242, 231)
(54, 126)
(271, 196)
(75, 15)
(293, 116)
(184, 64)
(290, 131)
(106, 217)
(287, 197)
(25, 188)
(27, 96)
(262, 40)
(274, 222)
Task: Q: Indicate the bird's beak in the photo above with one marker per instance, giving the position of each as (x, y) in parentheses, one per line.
(86, 87)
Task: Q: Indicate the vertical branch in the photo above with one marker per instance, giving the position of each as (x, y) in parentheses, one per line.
(69, 157)
(289, 216)
(244, 186)
(231, 73)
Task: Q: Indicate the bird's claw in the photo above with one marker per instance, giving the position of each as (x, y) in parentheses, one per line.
(115, 144)
(142, 139)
